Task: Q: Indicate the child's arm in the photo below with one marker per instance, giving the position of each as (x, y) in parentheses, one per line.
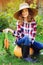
(16, 32)
(10, 30)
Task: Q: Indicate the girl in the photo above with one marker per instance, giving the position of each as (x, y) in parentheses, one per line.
(26, 30)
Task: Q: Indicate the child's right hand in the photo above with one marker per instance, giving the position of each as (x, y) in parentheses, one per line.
(6, 30)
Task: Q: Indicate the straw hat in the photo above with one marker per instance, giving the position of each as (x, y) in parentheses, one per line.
(23, 6)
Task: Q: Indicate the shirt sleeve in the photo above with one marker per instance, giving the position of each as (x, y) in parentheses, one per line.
(34, 26)
(18, 31)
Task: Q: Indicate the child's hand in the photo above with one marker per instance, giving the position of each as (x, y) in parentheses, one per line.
(6, 30)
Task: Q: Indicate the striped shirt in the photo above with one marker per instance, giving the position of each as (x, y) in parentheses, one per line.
(28, 29)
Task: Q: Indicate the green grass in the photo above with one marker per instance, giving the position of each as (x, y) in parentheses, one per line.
(6, 59)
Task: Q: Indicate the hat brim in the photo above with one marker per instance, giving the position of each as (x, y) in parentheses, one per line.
(34, 12)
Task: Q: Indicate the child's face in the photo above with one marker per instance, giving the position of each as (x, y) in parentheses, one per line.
(25, 12)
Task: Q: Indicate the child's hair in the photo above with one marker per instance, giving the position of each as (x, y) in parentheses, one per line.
(20, 20)
(29, 18)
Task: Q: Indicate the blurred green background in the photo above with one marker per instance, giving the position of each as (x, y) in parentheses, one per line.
(7, 20)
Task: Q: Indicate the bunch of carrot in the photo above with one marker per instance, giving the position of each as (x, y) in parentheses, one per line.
(7, 44)
(6, 41)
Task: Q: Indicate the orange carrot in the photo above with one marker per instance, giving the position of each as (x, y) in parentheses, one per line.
(6, 43)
